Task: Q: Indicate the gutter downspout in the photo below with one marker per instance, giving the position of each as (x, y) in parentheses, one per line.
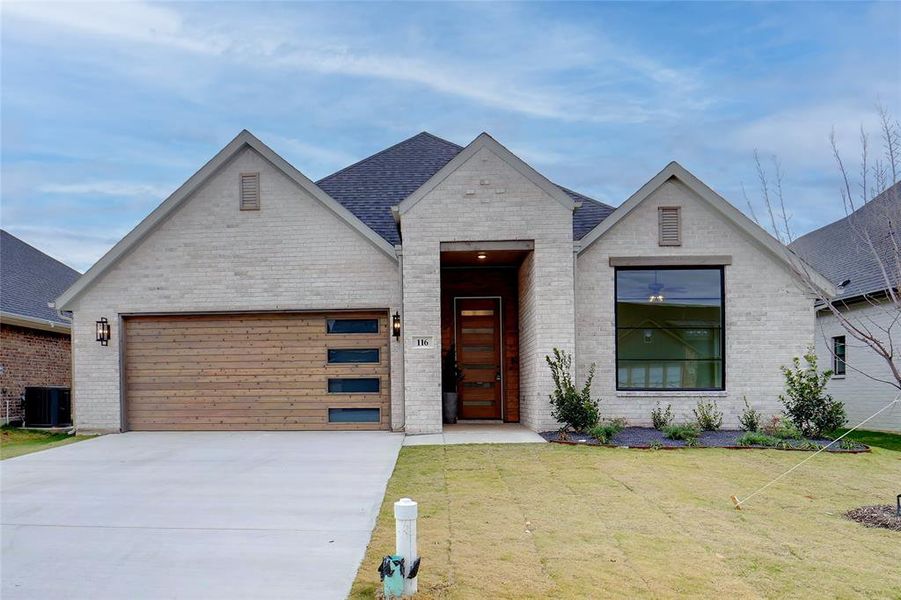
(398, 249)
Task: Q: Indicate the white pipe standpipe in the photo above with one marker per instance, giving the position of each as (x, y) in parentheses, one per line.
(405, 514)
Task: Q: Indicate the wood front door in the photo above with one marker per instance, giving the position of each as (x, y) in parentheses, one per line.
(478, 347)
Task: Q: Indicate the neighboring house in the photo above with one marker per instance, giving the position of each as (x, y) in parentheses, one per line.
(840, 252)
(254, 298)
(34, 339)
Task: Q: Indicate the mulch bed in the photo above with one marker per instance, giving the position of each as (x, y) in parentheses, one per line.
(646, 437)
(881, 515)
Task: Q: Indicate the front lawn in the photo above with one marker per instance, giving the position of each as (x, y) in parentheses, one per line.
(16, 442)
(540, 521)
(890, 441)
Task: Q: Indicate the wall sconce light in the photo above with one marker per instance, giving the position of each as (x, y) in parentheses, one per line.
(395, 325)
(103, 331)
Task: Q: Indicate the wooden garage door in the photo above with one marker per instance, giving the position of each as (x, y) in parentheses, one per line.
(257, 371)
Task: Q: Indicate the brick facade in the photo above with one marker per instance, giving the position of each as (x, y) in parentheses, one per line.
(769, 319)
(296, 254)
(30, 358)
(487, 199)
(292, 254)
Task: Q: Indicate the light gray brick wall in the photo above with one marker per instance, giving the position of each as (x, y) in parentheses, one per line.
(857, 389)
(293, 254)
(769, 319)
(504, 205)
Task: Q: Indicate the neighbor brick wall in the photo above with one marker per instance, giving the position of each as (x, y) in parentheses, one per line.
(293, 254)
(769, 319)
(862, 395)
(505, 205)
(30, 358)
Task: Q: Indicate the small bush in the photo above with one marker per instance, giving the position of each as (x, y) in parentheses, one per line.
(806, 402)
(756, 438)
(749, 419)
(708, 416)
(783, 429)
(606, 431)
(662, 418)
(572, 407)
(685, 433)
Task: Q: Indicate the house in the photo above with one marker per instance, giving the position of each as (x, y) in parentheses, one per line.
(860, 252)
(34, 339)
(254, 298)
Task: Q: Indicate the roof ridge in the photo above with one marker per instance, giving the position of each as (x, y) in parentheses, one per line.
(39, 251)
(385, 150)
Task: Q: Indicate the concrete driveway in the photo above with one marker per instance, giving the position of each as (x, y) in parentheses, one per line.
(193, 515)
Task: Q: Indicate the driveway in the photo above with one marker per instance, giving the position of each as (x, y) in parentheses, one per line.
(193, 515)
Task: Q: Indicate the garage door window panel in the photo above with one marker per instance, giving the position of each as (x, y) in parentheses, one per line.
(354, 415)
(353, 355)
(355, 385)
(345, 326)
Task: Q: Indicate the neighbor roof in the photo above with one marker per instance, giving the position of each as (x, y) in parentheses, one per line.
(840, 251)
(29, 279)
(371, 187)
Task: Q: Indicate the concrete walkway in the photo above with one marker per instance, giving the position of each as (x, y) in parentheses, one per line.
(477, 433)
(193, 515)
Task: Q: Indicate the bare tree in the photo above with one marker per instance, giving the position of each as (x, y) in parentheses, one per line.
(876, 239)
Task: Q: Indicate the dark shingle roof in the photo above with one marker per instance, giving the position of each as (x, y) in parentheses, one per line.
(839, 251)
(372, 186)
(29, 279)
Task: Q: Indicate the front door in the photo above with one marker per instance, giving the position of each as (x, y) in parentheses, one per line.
(478, 346)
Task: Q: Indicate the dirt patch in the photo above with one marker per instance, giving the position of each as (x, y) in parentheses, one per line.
(880, 515)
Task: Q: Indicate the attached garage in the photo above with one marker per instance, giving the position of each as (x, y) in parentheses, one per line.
(257, 371)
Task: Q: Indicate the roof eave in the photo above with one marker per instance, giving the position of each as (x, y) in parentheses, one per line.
(8, 318)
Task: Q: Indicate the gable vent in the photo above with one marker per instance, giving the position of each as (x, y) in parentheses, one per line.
(250, 191)
(669, 219)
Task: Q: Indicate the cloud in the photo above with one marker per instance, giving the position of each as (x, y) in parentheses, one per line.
(523, 81)
(78, 249)
(106, 188)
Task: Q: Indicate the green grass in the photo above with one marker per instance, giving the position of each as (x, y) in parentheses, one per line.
(16, 442)
(889, 441)
(555, 521)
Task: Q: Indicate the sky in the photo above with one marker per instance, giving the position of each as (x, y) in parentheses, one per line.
(107, 108)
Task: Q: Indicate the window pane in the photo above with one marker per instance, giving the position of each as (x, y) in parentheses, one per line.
(669, 328)
(354, 386)
(686, 374)
(349, 355)
(675, 344)
(838, 359)
(353, 415)
(352, 325)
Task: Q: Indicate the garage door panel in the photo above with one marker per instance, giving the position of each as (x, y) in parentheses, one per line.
(248, 372)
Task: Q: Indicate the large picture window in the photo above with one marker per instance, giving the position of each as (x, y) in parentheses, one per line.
(669, 329)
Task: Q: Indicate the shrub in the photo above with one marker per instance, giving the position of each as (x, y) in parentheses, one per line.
(662, 418)
(709, 418)
(606, 431)
(782, 428)
(806, 402)
(749, 419)
(756, 438)
(570, 406)
(685, 433)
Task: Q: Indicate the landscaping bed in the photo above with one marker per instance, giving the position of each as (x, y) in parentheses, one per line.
(647, 437)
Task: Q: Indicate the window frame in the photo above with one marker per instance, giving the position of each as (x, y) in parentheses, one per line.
(378, 326)
(836, 360)
(722, 270)
(376, 392)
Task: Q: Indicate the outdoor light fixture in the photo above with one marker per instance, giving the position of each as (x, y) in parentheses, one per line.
(103, 331)
(395, 325)
(481, 256)
(655, 298)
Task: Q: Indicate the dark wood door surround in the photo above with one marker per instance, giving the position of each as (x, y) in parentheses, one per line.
(502, 283)
(478, 347)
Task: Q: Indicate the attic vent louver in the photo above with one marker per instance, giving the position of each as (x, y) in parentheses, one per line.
(669, 220)
(250, 191)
